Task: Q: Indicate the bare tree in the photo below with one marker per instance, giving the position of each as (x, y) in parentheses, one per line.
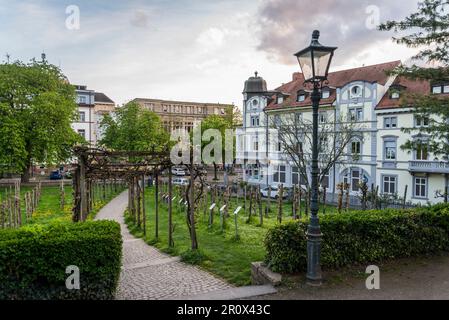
(294, 135)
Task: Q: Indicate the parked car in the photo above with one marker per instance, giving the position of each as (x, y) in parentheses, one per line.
(274, 192)
(181, 182)
(56, 175)
(178, 171)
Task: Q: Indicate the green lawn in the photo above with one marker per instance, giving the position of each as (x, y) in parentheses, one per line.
(49, 208)
(226, 257)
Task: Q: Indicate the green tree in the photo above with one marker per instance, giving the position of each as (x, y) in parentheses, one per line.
(233, 116)
(133, 128)
(221, 124)
(428, 30)
(37, 107)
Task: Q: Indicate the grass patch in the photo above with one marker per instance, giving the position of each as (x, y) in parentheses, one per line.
(223, 254)
(49, 208)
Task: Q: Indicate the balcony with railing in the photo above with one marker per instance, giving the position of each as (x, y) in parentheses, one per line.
(429, 166)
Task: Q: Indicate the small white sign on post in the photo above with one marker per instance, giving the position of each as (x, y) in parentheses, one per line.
(212, 206)
(185, 203)
(222, 208)
(180, 201)
(237, 210)
(174, 198)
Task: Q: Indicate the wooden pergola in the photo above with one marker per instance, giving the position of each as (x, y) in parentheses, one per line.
(118, 168)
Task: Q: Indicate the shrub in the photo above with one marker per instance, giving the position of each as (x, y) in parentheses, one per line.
(33, 260)
(361, 237)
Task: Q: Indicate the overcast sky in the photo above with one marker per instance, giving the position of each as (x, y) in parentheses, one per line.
(194, 50)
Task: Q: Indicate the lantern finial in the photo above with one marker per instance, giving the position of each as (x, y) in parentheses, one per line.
(315, 37)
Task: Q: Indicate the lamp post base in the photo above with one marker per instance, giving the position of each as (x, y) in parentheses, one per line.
(314, 275)
(314, 283)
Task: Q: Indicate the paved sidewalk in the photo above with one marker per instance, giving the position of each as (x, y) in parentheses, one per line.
(148, 274)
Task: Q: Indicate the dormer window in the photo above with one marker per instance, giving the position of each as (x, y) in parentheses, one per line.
(440, 88)
(326, 93)
(395, 95)
(280, 100)
(301, 96)
(395, 91)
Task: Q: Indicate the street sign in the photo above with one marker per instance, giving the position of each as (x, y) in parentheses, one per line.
(174, 198)
(237, 210)
(212, 206)
(222, 208)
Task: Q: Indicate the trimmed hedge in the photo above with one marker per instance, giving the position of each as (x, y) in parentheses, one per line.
(33, 260)
(361, 237)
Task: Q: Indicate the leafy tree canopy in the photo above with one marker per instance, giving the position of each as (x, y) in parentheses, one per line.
(427, 29)
(133, 128)
(37, 107)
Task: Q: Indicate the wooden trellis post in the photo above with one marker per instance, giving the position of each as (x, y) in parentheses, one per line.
(244, 198)
(82, 182)
(89, 195)
(138, 200)
(268, 206)
(348, 196)
(156, 204)
(170, 209)
(307, 201)
(11, 214)
(205, 195)
(340, 188)
(280, 202)
(227, 197)
(295, 203)
(130, 198)
(144, 217)
(251, 204)
(324, 199)
(404, 201)
(17, 204)
(104, 190)
(260, 206)
(2, 214)
(27, 213)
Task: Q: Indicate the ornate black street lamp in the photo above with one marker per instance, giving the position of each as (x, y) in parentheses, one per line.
(315, 62)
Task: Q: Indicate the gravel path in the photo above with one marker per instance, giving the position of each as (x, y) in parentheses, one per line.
(148, 274)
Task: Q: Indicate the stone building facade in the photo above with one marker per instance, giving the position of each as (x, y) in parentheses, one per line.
(92, 106)
(182, 115)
